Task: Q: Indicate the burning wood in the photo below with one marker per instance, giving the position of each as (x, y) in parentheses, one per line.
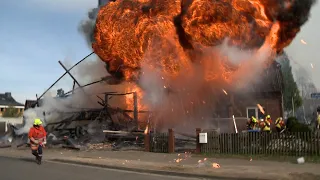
(303, 42)
(225, 92)
(215, 165)
(261, 108)
(146, 131)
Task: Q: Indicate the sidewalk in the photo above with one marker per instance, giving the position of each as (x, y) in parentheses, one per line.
(177, 164)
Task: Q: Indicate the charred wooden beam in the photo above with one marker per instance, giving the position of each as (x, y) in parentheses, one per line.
(73, 86)
(63, 76)
(106, 100)
(101, 99)
(83, 86)
(75, 80)
(135, 108)
(102, 104)
(122, 132)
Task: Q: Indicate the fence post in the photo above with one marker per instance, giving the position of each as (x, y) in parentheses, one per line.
(147, 142)
(198, 147)
(171, 147)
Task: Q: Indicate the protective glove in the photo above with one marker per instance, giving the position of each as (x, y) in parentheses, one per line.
(36, 142)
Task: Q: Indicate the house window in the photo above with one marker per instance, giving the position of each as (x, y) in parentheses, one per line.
(252, 111)
(260, 115)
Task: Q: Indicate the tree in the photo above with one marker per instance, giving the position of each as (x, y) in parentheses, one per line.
(291, 92)
(12, 112)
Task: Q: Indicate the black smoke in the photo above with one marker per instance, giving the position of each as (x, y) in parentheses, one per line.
(87, 26)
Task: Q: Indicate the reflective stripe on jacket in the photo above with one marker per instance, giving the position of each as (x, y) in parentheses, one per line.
(38, 134)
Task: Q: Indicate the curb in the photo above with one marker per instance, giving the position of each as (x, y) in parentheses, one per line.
(158, 172)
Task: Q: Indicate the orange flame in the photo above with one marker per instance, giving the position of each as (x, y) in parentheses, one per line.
(146, 131)
(130, 100)
(173, 37)
(131, 32)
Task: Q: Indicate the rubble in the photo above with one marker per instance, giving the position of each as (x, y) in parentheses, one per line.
(95, 128)
(100, 146)
(300, 160)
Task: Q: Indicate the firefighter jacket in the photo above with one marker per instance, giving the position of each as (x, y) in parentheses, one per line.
(280, 123)
(39, 134)
(252, 123)
(266, 125)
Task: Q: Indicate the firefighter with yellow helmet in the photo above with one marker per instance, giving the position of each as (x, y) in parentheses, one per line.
(266, 124)
(280, 125)
(252, 123)
(37, 135)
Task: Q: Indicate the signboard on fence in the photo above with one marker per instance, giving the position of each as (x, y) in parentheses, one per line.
(315, 95)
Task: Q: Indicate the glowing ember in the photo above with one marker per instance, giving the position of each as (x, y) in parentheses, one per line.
(146, 131)
(260, 108)
(225, 92)
(129, 98)
(303, 42)
(215, 165)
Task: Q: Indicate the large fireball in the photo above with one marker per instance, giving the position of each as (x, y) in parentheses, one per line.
(172, 48)
(127, 30)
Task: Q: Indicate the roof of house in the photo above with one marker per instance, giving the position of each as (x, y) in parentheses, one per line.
(30, 104)
(7, 100)
(270, 81)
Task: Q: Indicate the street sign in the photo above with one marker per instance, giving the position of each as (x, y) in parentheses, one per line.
(315, 95)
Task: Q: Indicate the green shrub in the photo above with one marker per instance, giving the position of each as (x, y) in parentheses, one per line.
(293, 125)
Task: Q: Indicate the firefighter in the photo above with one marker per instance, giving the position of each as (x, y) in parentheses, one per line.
(252, 123)
(266, 124)
(37, 136)
(280, 125)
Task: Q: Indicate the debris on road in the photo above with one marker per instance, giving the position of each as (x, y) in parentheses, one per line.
(301, 160)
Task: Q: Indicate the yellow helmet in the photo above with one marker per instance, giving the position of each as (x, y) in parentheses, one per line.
(37, 122)
(268, 116)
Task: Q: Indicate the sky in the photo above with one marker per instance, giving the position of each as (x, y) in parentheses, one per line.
(36, 34)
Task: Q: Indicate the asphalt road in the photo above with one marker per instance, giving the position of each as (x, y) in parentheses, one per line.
(22, 169)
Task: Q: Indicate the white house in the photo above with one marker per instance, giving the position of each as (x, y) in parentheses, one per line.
(6, 101)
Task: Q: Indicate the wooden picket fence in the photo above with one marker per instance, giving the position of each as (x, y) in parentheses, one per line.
(159, 142)
(260, 143)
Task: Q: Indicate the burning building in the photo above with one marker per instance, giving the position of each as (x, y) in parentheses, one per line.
(182, 54)
(186, 61)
